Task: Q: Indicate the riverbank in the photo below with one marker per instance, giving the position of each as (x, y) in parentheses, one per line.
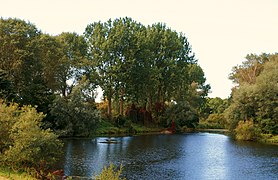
(108, 129)
(269, 139)
(224, 131)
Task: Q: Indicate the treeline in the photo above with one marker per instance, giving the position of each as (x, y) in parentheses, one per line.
(148, 74)
(251, 112)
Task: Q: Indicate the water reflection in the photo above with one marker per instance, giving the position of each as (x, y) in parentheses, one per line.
(184, 156)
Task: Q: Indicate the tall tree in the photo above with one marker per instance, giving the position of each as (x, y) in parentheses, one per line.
(147, 66)
(112, 47)
(249, 70)
(97, 35)
(6, 87)
(76, 114)
(258, 101)
(19, 56)
(74, 61)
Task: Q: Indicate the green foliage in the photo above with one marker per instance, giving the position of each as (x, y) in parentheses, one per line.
(73, 63)
(105, 127)
(212, 113)
(8, 117)
(142, 65)
(250, 69)
(183, 114)
(120, 120)
(214, 121)
(8, 173)
(216, 105)
(246, 130)
(269, 138)
(258, 99)
(76, 114)
(6, 86)
(25, 144)
(132, 63)
(269, 126)
(110, 173)
(20, 58)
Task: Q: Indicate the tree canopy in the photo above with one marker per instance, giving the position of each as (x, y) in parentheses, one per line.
(151, 68)
(146, 66)
(255, 99)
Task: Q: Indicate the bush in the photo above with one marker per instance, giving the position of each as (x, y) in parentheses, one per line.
(110, 173)
(246, 130)
(269, 138)
(183, 114)
(76, 114)
(214, 121)
(269, 126)
(119, 120)
(8, 115)
(29, 146)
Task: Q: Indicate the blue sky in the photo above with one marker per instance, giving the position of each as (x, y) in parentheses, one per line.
(221, 32)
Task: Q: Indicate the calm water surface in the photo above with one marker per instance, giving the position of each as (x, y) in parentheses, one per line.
(181, 156)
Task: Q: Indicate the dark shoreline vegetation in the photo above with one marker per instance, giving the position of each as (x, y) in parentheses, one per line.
(151, 83)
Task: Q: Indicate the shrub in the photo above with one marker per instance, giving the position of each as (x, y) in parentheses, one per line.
(246, 130)
(30, 147)
(269, 126)
(8, 115)
(183, 114)
(119, 120)
(110, 173)
(76, 114)
(214, 121)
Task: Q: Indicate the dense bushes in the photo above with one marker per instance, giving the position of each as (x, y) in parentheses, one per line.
(76, 114)
(110, 173)
(255, 98)
(214, 121)
(23, 144)
(212, 114)
(246, 130)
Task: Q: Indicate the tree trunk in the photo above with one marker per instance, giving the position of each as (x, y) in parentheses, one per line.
(64, 92)
(150, 103)
(109, 108)
(122, 102)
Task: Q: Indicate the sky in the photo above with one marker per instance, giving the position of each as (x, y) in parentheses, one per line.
(221, 32)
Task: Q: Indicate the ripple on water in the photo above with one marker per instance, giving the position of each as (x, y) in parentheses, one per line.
(181, 156)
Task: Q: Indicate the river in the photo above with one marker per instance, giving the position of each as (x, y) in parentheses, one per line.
(178, 156)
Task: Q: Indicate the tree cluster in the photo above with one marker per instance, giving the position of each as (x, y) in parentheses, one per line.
(151, 68)
(41, 70)
(146, 67)
(255, 99)
(212, 113)
(24, 145)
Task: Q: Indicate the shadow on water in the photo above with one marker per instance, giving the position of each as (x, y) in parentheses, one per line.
(178, 156)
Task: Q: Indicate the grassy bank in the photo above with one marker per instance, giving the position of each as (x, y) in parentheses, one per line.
(269, 139)
(6, 173)
(224, 131)
(106, 128)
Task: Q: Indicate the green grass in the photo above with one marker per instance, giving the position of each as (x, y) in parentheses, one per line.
(207, 125)
(269, 138)
(5, 173)
(106, 128)
(142, 129)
